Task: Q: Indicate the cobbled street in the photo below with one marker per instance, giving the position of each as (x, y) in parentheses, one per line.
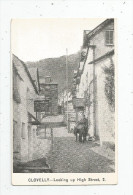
(69, 156)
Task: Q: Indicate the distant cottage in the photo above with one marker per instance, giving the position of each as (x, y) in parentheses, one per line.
(50, 91)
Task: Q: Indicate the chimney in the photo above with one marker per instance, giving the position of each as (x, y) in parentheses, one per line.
(85, 38)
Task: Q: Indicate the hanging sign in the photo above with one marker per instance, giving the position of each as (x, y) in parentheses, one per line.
(41, 105)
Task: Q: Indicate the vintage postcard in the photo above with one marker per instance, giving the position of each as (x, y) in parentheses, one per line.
(64, 101)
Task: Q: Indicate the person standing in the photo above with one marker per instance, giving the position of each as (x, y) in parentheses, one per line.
(85, 121)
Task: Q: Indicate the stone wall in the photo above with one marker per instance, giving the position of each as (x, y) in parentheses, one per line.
(42, 148)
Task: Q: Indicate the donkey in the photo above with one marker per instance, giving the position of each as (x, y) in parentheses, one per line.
(80, 129)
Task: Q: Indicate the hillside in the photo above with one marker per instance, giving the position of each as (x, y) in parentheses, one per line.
(56, 68)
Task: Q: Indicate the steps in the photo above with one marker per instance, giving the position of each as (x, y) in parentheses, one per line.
(35, 166)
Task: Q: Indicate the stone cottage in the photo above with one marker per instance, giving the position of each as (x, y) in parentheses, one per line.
(24, 118)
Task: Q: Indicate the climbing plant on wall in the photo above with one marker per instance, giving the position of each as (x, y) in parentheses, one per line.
(110, 85)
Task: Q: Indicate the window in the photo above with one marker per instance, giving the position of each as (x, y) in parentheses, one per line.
(109, 37)
(23, 131)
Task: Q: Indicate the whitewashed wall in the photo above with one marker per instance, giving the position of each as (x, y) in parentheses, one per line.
(104, 117)
(20, 112)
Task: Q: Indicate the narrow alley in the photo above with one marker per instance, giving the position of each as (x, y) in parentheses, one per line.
(69, 156)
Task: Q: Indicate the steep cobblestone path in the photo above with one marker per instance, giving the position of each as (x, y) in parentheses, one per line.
(69, 156)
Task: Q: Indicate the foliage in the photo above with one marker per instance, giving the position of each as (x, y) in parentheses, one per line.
(56, 68)
(110, 85)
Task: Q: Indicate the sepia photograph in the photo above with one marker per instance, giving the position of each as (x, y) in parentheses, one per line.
(66, 97)
(63, 96)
